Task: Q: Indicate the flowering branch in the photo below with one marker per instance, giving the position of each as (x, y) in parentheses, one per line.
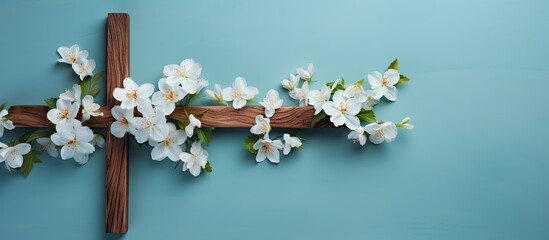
(181, 140)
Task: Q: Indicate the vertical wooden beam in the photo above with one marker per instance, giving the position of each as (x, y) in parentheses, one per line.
(118, 68)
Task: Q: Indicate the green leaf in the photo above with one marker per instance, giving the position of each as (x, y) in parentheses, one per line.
(182, 123)
(321, 115)
(204, 134)
(249, 143)
(208, 167)
(51, 102)
(367, 115)
(394, 65)
(39, 134)
(96, 78)
(93, 89)
(84, 85)
(403, 79)
(28, 160)
(94, 92)
(3, 106)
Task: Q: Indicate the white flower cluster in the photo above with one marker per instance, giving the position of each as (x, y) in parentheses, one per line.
(167, 140)
(11, 156)
(76, 141)
(79, 61)
(265, 146)
(345, 103)
(70, 136)
(240, 93)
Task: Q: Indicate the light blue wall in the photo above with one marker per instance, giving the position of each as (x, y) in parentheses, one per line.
(475, 167)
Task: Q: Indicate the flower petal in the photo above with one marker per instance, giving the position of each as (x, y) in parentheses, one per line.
(158, 153)
(392, 76)
(391, 93)
(375, 79)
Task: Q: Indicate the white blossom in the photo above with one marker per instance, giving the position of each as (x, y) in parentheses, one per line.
(169, 147)
(48, 146)
(167, 96)
(89, 108)
(301, 94)
(367, 100)
(151, 126)
(290, 142)
(381, 131)
(65, 112)
(291, 83)
(343, 110)
(122, 125)
(240, 93)
(2, 147)
(354, 90)
(133, 95)
(193, 123)
(262, 125)
(71, 55)
(98, 140)
(216, 94)
(84, 68)
(317, 98)
(267, 148)
(384, 85)
(358, 135)
(75, 140)
(271, 102)
(196, 160)
(405, 123)
(13, 156)
(193, 86)
(306, 74)
(188, 69)
(5, 122)
(73, 94)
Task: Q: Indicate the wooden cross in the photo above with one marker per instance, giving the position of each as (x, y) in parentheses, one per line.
(118, 68)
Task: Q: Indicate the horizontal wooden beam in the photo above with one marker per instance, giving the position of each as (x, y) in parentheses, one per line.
(213, 116)
(35, 117)
(228, 117)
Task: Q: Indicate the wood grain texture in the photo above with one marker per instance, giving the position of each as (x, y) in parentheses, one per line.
(35, 116)
(214, 116)
(118, 68)
(228, 117)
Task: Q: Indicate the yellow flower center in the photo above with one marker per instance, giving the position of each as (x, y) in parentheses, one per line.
(379, 133)
(73, 142)
(64, 113)
(237, 93)
(132, 94)
(169, 141)
(384, 82)
(170, 96)
(343, 107)
(267, 148)
(124, 122)
(180, 73)
(14, 152)
(72, 57)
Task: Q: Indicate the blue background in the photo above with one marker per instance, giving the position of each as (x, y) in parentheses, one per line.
(475, 166)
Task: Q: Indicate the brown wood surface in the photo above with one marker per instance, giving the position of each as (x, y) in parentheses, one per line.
(118, 68)
(214, 116)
